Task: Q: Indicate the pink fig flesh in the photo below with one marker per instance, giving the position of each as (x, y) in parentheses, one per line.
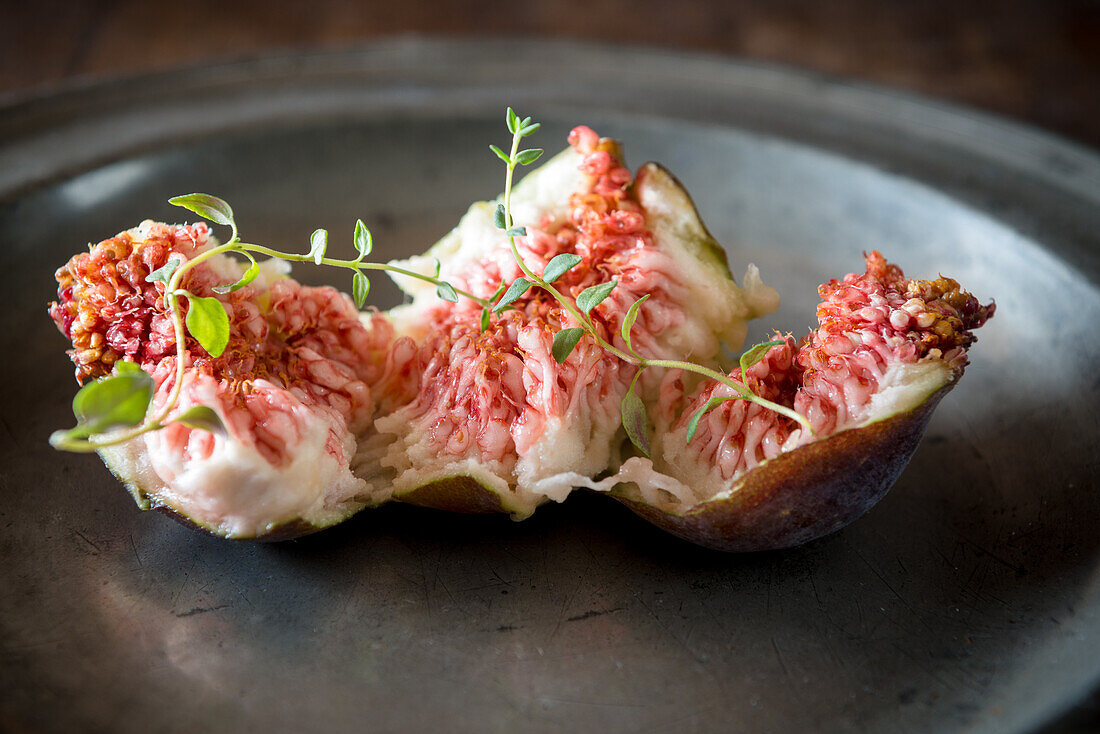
(735, 475)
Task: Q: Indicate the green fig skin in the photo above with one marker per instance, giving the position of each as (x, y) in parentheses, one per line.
(803, 494)
(460, 493)
(691, 229)
(290, 530)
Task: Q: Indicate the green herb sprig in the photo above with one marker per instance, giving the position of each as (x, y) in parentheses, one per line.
(634, 415)
(115, 408)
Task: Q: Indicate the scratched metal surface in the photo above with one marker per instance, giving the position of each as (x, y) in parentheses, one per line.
(966, 601)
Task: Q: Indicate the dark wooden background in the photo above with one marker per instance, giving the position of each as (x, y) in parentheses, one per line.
(1038, 62)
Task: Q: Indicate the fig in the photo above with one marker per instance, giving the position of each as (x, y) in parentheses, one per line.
(292, 387)
(327, 412)
(324, 410)
(741, 478)
(494, 406)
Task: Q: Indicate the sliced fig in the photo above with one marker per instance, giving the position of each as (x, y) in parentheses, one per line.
(327, 410)
(495, 407)
(885, 352)
(292, 387)
(327, 413)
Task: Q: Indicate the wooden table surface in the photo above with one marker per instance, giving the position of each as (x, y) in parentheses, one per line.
(1038, 62)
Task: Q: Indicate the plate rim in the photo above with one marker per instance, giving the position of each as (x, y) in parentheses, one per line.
(39, 112)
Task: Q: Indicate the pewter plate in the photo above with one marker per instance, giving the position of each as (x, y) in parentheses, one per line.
(968, 600)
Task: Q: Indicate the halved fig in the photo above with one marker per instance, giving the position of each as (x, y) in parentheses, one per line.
(885, 352)
(292, 387)
(494, 412)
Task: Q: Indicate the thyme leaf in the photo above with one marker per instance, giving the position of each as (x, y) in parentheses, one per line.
(118, 400)
(318, 244)
(207, 207)
(518, 288)
(249, 275)
(635, 418)
(630, 318)
(594, 295)
(164, 273)
(360, 289)
(202, 417)
(565, 341)
(559, 265)
(446, 291)
(529, 156)
(755, 353)
(208, 322)
(364, 243)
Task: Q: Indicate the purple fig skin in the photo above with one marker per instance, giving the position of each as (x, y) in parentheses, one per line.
(804, 494)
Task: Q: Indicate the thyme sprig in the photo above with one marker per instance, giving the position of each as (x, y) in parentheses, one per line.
(115, 409)
(634, 415)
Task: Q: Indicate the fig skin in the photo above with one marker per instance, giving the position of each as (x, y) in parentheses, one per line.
(806, 493)
(289, 530)
(460, 493)
(691, 229)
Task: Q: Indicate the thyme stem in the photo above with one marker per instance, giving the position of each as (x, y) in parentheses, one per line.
(566, 303)
(357, 265)
(172, 294)
(589, 327)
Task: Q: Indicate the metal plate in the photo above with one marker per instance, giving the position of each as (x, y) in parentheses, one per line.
(966, 601)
